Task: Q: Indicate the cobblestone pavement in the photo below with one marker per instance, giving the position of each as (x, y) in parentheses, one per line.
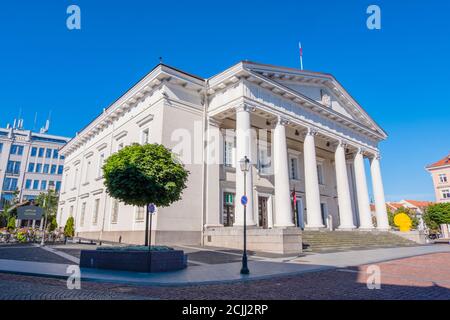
(420, 278)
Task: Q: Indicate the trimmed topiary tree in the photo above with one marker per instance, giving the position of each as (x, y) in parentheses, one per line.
(139, 175)
(53, 225)
(69, 229)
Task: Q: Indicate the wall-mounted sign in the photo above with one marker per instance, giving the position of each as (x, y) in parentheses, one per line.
(30, 213)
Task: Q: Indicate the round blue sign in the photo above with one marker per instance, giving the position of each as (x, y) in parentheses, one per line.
(244, 200)
(151, 208)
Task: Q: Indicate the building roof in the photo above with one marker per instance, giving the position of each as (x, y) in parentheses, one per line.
(443, 162)
(419, 204)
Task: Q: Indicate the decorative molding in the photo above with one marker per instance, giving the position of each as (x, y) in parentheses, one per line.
(102, 146)
(143, 121)
(84, 195)
(89, 154)
(96, 192)
(120, 135)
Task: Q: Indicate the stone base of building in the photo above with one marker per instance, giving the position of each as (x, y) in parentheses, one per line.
(416, 236)
(138, 237)
(277, 240)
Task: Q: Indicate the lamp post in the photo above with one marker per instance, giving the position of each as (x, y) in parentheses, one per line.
(245, 167)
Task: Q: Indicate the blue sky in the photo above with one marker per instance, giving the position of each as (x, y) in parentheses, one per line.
(399, 74)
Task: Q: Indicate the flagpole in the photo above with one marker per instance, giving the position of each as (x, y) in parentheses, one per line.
(301, 55)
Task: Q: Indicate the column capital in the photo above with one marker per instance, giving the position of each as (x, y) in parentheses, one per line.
(342, 143)
(376, 156)
(282, 121)
(214, 122)
(311, 132)
(244, 107)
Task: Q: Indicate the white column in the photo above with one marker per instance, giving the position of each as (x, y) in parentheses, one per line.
(312, 191)
(343, 189)
(378, 193)
(365, 217)
(243, 148)
(283, 208)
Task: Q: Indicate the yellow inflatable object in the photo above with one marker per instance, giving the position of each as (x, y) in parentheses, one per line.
(403, 221)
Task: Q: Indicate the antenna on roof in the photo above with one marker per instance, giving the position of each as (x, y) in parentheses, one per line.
(160, 60)
(35, 121)
(47, 123)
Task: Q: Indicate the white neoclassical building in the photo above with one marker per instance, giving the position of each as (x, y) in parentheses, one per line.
(306, 137)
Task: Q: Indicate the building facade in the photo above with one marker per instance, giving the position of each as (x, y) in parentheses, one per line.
(30, 163)
(303, 133)
(440, 173)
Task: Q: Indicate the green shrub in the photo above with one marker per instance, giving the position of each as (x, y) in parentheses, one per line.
(11, 224)
(53, 224)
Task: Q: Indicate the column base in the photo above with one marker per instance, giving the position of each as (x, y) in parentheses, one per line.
(284, 226)
(346, 228)
(366, 228)
(383, 229)
(315, 228)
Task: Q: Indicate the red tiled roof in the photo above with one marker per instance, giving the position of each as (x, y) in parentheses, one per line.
(443, 162)
(419, 204)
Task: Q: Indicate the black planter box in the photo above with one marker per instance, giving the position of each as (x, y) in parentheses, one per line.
(137, 261)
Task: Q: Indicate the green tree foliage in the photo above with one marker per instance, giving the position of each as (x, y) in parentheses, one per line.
(436, 215)
(69, 229)
(49, 202)
(410, 213)
(53, 225)
(11, 223)
(142, 174)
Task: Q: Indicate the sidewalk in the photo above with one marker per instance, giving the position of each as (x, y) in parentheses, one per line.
(208, 274)
(356, 258)
(225, 272)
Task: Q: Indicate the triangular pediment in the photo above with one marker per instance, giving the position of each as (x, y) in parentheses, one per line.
(321, 88)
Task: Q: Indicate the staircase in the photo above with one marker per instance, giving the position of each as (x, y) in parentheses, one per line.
(320, 241)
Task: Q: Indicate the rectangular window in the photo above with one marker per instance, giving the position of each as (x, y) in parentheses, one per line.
(1, 147)
(16, 149)
(53, 169)
(58, 186)
(83, 213)
(145, 136)
(101, 161)
(320, 173)
(13, 167)
(39, 168)
(88, 171)
(75, 178)
(264, 159)
(46, 168)
(443, 178)
(140, 213)
(44, 185)
(41, 152)
(228, 153)
(31, 167)
(446, 194)
(48, 153)
(55, 153)
(60, 169)
(10, 184)
(62, 157)
(28, 184)
(293, 168)
(33, 152)
(115, 211)
(36, 185)
(96, 209)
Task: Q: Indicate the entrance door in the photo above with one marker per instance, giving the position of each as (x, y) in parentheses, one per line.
(300, 219)
(323, 208)
(228, 210)
(262, 212)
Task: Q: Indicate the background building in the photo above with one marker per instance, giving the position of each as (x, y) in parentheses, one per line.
(29, 162)
(440, 173)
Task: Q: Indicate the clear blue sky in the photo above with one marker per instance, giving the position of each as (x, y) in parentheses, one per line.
(398, 74)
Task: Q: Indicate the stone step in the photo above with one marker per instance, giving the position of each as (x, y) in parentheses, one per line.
(341, 240)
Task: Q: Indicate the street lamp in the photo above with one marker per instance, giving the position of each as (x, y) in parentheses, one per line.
(245, 167)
